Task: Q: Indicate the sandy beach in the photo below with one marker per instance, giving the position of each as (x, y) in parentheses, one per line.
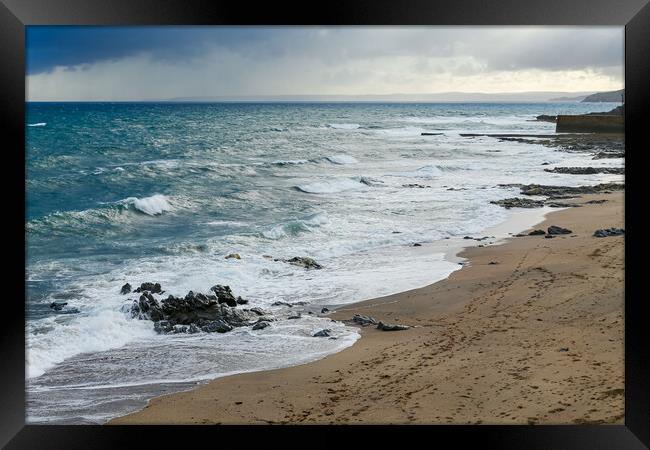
(528, 332)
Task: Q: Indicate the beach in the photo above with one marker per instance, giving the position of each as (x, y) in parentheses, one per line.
(527, 332)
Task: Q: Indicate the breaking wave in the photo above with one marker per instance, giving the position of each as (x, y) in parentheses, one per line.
(342, 159)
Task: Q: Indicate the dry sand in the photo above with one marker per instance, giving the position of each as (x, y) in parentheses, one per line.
(536, 338)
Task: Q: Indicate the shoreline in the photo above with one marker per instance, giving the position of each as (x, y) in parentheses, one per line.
(442, 370)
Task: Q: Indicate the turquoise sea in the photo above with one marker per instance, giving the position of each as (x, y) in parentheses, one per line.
(135, 192)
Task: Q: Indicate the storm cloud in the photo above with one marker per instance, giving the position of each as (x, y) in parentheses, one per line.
(153, 63)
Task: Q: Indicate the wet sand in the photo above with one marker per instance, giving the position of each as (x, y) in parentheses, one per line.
(535, 338)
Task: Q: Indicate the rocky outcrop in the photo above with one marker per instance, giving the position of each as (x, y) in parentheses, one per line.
(391, 327)
(562, 205)
(195, 312)
(57, 306)
(606, 232)
(537, 233)
(558, 192)
(323, 333)
(546, 118)
(233, 256)
(290, 305)
(125, 289)
(517, 202)
(154, 288)
(609, 155)
(555, 230)
(261, 325)
(364, 320)
(416, 185)
(304, 261)
(587, 170)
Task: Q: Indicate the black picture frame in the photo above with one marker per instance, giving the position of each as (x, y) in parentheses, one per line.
(633, 14)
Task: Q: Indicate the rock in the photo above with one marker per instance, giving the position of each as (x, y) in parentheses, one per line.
(545, 164)
(261, 325)
(563, 349)
(364, 320)
(516, 202)
(279, 303)
(258, 311)
(607, 155)
(537, 233)
(554, 229)
(224, 295)
(324, 310)
(468, 237)
(417, 245)
(163, 326)
(58, 306)
(595, 202)
(391, 327)
(416, 185)
(154, 288)
(267, 256)
(233, 256)
(218, 326)
(559, 192)
(323, 333)
(491, 263)
(587, 170)
(549, 236)
(297, 316)
(562, 205)
(192, 313)
(241, 301)
(125, 289)
(546, 118)
(304, 261)
(609, 232)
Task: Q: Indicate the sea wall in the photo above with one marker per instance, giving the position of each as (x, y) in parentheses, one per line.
(588, 123)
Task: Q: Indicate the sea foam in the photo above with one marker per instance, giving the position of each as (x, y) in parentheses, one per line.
(344, 126)
(153, 206)
(331, 187)
(341, 159)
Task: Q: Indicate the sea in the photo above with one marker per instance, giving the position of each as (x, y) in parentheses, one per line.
(163, 192)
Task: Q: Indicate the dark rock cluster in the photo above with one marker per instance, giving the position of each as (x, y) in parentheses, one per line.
(210, 313)
(558, 192)
(587, 170)
(609, 232)
(555, 230)
(517, 202)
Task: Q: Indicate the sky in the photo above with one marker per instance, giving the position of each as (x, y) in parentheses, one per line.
(74, 63)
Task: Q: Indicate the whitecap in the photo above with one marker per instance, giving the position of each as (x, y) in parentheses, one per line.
(39, 124)
(153, 206)
(296, 227)
(331, 187)
(341, 159)
(344, 126)
(422, 172)
(289, 162)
